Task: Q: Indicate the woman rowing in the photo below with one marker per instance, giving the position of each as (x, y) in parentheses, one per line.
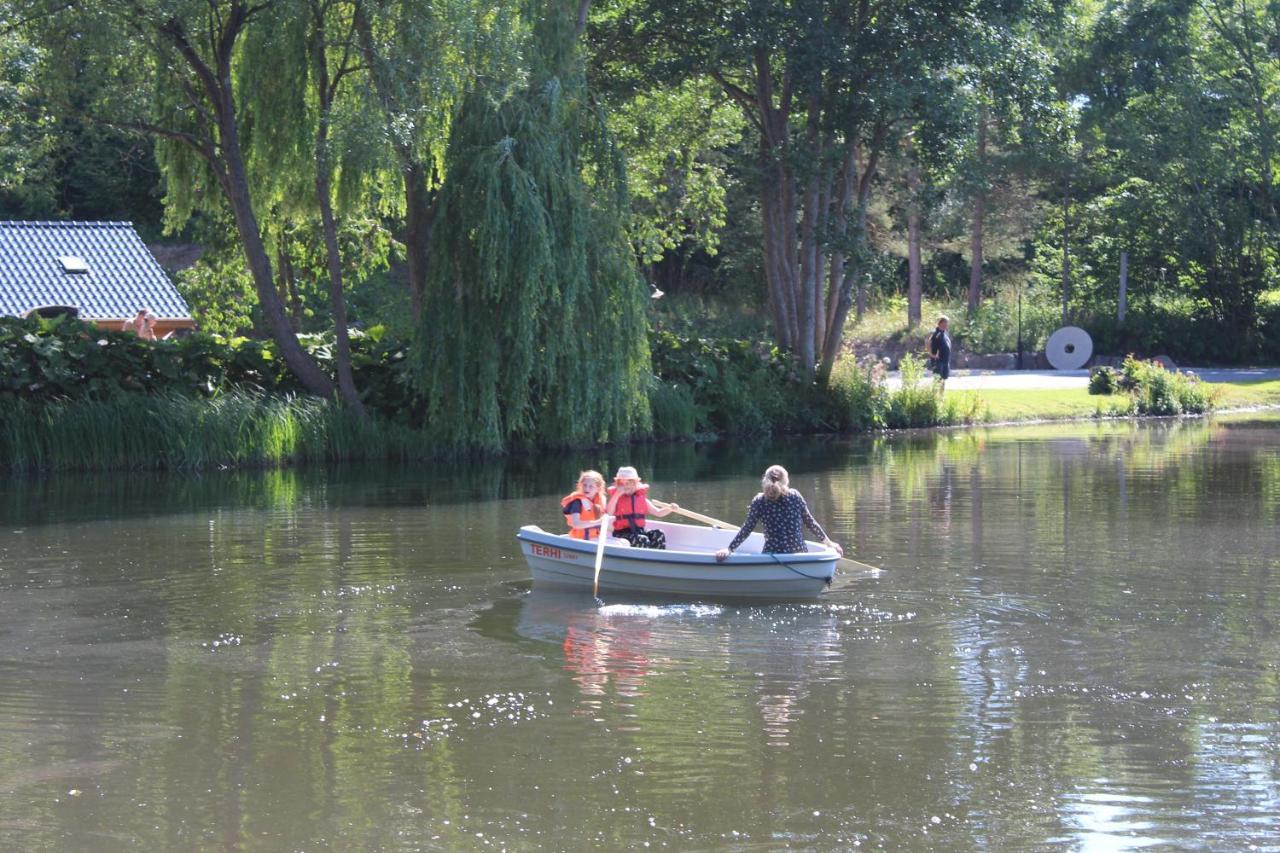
(785, 515)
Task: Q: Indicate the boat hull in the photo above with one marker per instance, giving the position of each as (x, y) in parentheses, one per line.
(688, 567)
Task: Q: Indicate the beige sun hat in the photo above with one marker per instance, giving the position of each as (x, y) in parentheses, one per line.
(626, 472)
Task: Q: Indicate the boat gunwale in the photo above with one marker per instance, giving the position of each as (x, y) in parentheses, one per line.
(531, 532)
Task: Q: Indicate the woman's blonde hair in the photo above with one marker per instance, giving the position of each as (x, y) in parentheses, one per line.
(594, 476)
(776, 483)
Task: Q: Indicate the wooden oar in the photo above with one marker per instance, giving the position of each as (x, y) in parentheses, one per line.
(724, 525)
(696, 516)
(605, 523)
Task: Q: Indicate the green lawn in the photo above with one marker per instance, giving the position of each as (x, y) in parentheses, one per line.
(1029, 405)
(1259, 392)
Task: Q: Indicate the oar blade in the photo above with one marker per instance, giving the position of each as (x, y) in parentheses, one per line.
(847, 564)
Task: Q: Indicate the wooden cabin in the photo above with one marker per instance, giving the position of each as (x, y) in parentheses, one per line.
(103, 270)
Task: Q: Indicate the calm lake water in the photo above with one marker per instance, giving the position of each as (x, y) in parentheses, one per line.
(1074, 644)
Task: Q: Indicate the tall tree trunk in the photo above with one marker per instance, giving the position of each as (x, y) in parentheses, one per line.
(806, 280)
(915, 277)
(847, 183)
(1066, 254)
(851, 273)
(419, 198)
(774, 263)
(419, 213)
(347, 391)
(327, 82)
(236, 186)
(979, 212)
(289, 286)
(226, 160)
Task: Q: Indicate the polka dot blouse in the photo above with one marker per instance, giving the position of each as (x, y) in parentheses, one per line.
(783, 533)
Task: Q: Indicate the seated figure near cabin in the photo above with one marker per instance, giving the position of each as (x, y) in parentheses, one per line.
(584, 506)
(629, 504)
(785, 515)
(138, 323)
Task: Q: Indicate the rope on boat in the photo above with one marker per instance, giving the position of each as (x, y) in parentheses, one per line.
(826, 580)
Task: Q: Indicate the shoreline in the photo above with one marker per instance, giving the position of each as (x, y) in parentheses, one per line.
(314, 461)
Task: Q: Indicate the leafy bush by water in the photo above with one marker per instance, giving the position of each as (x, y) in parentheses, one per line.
(1150, 389)
(675, 414)
(69, 359)
(859, 396)
(1105, 380)
(1157, 391)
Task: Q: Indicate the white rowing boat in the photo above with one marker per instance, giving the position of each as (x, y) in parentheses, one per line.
(687, 567)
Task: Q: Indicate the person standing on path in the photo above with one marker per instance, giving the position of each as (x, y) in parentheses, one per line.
(785, 515)
(940, 350)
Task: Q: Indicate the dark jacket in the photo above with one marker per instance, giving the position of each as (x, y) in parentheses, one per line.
(940, 346)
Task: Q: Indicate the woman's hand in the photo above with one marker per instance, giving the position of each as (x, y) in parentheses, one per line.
(722, 555)
(834, 546)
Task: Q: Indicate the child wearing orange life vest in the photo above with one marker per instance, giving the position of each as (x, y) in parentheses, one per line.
(628, 504)
(584, 506)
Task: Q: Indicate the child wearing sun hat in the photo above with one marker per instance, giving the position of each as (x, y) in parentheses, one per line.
(629, 504)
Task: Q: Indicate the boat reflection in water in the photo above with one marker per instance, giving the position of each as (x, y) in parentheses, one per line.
(762, 656)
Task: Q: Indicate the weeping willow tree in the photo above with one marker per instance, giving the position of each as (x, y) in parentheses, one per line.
(533, 327)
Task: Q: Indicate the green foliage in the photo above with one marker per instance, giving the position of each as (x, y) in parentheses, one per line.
(543, 332)
(917, 402)
(173, 431)
(994, 326)
(219, 291)
(675, 414)
(739, 387)
(673, 139)
(1157, 391)
(1176, 166)
(1104, 380)
(859, 395)
(44, 360)
(1147, 388)
(54, 167)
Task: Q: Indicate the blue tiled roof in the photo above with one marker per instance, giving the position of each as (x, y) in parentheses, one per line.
(122, 277)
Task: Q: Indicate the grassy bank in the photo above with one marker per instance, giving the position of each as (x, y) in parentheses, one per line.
(1005, 405)
(147, 432)
(1251, 394)
(251, 429)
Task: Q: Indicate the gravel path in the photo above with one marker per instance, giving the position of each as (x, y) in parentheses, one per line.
(982, 380)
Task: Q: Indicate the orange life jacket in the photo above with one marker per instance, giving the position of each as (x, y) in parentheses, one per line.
(630, 509)
(591, 510)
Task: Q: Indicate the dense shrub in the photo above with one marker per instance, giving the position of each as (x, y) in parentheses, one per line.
(68, 359)
(1104, 380)
(1157, 391)
(1149, 389)
(916, 403)
(858, 394)
(675, 414)
(738, 386)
